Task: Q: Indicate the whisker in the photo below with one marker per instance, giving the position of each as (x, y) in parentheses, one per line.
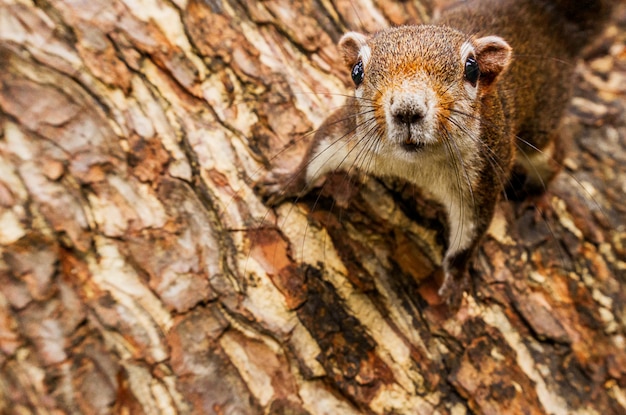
(457, 176)
(489, 153)
(550, 158)
(363, 150)
(337, 94)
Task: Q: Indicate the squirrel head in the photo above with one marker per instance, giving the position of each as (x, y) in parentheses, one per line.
(422, 85)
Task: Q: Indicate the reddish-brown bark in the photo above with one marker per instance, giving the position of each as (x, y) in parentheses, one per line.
(141, 273)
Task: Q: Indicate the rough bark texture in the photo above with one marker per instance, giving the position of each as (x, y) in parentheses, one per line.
(140, 273)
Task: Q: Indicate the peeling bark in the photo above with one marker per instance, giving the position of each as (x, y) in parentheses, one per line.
(140, 272)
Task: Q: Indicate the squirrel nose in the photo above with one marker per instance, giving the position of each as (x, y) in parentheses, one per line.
(407, 109)
(409, 116)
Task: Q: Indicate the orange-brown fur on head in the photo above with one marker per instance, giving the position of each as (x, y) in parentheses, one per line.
(423, 65)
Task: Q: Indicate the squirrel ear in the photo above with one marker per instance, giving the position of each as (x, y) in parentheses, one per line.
(351, 45)
(493, 55)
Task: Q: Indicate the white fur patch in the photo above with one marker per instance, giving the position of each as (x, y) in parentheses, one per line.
(440, 180)
(461, 221)
(467, 49)
(365, 53)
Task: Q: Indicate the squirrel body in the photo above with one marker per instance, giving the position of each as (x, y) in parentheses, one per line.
(446, 105)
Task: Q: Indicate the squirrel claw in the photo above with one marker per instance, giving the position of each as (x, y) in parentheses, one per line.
(452, 290)
(274, 187)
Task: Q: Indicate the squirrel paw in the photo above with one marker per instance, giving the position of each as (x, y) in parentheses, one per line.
(275, 187)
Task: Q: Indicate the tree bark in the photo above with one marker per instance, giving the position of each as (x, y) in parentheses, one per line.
(141, 273)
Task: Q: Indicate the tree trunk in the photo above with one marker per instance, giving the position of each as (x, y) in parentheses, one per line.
(141, 273)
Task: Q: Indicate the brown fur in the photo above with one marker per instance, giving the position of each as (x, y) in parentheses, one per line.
(414, 77)
(546, 37)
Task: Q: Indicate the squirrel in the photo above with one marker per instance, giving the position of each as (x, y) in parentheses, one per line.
(455, 107)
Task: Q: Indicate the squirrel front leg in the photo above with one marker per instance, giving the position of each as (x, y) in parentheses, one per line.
(465, 233)
(455, 277)
(331, 150)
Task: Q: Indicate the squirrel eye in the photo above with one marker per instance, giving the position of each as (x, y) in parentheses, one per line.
(358, 73)
(472, 72)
